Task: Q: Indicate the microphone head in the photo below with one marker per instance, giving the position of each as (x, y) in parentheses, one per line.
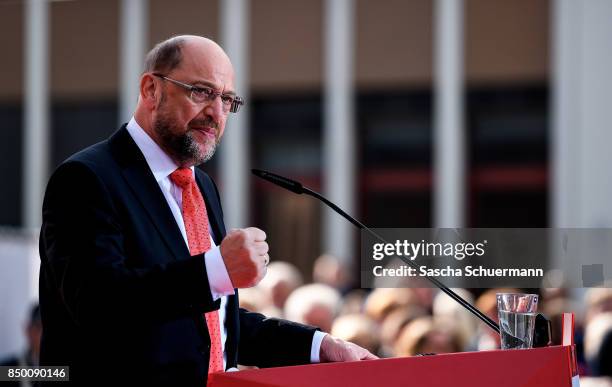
(284, 182)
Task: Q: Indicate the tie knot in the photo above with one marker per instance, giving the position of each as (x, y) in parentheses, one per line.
(183, 177)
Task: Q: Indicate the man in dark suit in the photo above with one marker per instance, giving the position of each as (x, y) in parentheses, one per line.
(138, 276)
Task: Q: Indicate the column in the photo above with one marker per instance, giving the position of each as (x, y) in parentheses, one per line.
(234, 153)
(36, 111)
(133, 46)
(339, 127)
(449, 133)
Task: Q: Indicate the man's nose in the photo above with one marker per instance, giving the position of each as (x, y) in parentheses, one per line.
(214, 108)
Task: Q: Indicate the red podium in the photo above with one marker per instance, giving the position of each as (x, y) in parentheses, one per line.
(538, 367)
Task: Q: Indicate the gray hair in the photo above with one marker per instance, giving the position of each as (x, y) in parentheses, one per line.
(165, 56)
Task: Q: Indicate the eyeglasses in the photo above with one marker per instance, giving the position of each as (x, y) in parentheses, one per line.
(201, 94)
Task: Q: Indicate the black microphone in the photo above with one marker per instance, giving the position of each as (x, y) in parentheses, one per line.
(298, 188)
(289, 184)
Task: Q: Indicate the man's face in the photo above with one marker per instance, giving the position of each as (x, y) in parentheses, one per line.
(190, 132)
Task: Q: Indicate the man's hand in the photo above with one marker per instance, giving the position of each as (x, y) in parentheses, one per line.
(245, 254)
(334, 349)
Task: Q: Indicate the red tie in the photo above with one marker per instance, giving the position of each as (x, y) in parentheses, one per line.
(198, 236)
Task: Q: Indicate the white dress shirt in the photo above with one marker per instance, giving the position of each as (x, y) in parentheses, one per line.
(220, 284)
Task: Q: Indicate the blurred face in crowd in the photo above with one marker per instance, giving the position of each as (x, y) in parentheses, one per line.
(189, 131)
(320, 316)
(33, 333)
(438, 342)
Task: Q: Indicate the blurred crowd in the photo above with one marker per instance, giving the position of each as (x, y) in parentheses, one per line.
(392, 322)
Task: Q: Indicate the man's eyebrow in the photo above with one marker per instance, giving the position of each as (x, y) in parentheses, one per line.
(201, 82)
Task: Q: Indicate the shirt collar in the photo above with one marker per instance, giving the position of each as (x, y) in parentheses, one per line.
(159, 162)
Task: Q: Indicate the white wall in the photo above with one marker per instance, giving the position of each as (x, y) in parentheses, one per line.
(581, 113)
(19, 268)
(581, 134)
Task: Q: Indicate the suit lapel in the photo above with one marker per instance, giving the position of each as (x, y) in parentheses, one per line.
(139, 177)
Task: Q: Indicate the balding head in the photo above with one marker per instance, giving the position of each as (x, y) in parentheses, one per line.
(188, 129)
(168, 55)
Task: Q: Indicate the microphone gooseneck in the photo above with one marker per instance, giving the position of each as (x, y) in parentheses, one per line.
(298, 188)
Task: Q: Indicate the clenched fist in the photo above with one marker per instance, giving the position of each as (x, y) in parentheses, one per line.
(245, 253)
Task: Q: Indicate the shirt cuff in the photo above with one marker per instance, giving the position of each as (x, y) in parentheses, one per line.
(218, 277)
(315, 351)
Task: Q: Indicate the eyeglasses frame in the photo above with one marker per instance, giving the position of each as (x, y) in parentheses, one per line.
(234, 107)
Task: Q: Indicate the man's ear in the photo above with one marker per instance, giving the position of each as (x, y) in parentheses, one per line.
(149, 92)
